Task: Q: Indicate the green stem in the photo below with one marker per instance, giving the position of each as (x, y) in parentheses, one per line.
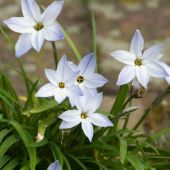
(56, 57)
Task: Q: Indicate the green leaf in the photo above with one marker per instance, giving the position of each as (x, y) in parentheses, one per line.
(7, 143)
(120, 99)
(77, 161)
(11, 164)
(3, 133)
(123, 150)
(57, 154)
(135, 162)
(27, 140)
(4, 160)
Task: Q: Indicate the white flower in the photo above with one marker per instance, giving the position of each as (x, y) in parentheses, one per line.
(140, 65)
(86, 115)
(54, 166)
(87, 79)
(35, 27)
(61, 83)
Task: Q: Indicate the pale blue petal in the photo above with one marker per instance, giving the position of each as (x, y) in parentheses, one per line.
(137, 44)
(124, 57)
(51, 12)
(153, 53)
(53, 32)
(87, 129)
(87, 64)
(55, 166)
(126, 75)
(23, 45)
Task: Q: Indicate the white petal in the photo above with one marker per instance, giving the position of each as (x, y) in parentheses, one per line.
(23, 45)
(53, 32)
(54, 166)
(51, 12)
(126, 75)
(64, 72)
(47, 90)
(67, 125)
(94, 80)
(60, 95)
(100, 120)
(70, 115)
(152, 53)
(165, 67)
(142, 75)
(124, 57)
(19, 24)
(87, 129)
(137, 43)
(155, 69)
(51, 76)
(37, 40)
(30, 9)
(87, 64)
(73, 93)
(94, 102)
(81, 103)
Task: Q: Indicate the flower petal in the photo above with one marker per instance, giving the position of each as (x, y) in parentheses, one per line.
(19, 24)
(64, 72)
(51, 12)
(30, 9)
(124, 57)
(51, 76)
(126, 75)
(94, 102)
(88, 64)
(54, 166)
(53, 32)
(87, 129)
(60, 95)
(23, 45)
(153, 53)
(155, 69)
(94, 80)
(137, 43)
(37, 40)
(70, 115)
(68, 125)
(47, 90)
(100, 120)
(142, 75)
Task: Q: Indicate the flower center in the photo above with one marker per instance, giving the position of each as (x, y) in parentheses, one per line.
(38, 26)
(80, 79)
(84, 115)
(138, 62)
(61, 85)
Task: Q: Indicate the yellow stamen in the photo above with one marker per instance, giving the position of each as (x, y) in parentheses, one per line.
(80, 79)
(84, 115)
(61, 85)
(39, 26)
(138, 62)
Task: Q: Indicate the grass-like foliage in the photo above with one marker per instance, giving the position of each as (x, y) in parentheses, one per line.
(30, 138)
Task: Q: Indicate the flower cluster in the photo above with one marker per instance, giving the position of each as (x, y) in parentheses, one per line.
(79, 84)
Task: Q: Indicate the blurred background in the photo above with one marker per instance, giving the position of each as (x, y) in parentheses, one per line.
(116, 21)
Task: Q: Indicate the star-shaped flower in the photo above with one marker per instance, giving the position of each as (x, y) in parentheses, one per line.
(86, 115)
(62, 83)
(35, 27)
(87, 79)
(140, 65)
(54, 166)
